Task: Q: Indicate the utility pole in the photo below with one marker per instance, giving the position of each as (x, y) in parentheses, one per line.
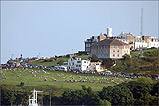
(12, 56)
(39, 55)
(50, 98)
(141, 21)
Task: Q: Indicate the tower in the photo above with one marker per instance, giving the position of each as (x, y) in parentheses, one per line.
(141, 22)
(109, 32)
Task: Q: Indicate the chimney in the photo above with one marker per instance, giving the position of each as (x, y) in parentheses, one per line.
(109, 32)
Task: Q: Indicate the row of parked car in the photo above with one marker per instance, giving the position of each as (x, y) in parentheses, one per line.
(60, 68)
(145, 48)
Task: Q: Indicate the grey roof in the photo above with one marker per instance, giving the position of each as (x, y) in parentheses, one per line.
(110, 42)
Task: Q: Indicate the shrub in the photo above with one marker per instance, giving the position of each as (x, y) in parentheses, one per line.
(22, 84)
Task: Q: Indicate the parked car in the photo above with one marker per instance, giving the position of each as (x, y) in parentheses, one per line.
(108, 73)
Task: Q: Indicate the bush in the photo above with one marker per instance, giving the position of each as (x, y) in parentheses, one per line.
(108, 63)
(104, 103)
(126, 57)
(22, 84)
(94, 58)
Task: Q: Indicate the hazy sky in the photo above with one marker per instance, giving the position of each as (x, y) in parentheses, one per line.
(55, 28)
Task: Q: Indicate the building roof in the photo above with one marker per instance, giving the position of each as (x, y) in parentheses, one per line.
(109, 42)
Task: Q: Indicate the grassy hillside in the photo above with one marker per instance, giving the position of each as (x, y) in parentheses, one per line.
(149, 64)
(54, 61)
(34, 78)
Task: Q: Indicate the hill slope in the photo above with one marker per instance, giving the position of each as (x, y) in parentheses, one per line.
(149, 64)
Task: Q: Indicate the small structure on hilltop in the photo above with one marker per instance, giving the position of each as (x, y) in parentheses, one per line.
(141, 54)
(33, 101)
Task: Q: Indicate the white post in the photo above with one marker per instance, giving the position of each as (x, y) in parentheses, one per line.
(29, 100)
(36, 96)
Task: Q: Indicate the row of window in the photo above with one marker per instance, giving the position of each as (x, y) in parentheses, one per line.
(106, 47)
(115, 46)
(74, 68)
(100, 47)
(125, 51)
(77, 62)
(114, 50)
(126, 47)
(78, 65)
(88, 45)
(99, 52)
(114, 55)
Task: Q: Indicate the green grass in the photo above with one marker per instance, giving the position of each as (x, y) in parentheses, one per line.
(147, 65)
(83, 56)
(136, 53)
(30, 82)
(53, 61)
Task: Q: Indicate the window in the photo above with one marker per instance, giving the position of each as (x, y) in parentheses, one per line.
(79, 65)
(118, 55)
(113, 55)
(113, 50)
(113, 46)
(118, 46)
(78, 61)
(76, 65)
(118, 50)
(84, 61)
(72, 63)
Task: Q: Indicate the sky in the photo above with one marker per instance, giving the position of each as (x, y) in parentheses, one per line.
(58, 28)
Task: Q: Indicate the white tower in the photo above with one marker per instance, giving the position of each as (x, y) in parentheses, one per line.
(109, 32)
(33, 101)
(141, 21)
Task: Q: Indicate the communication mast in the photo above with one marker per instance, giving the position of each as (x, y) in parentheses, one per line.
(141, 21)
(34, 100)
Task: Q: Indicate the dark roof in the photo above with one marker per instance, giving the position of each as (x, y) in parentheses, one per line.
(110, 42)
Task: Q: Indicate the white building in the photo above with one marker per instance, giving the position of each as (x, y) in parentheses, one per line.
(78, 64)
(146, 41)
(139, 45)
(153, 42)
(95, 66)
(139, 42)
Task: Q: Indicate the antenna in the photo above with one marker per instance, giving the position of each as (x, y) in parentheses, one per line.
(12, 56)
(141, 21)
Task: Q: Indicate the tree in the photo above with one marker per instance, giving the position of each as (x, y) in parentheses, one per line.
(104, 103)
(106, 93)
(126, 57)
(108, 63)
(141, 90)
(76, 97)
(92, 99)
(84, 87)
(117, 95)
(145, 80)
(94, 58)
(89, 90)
(155, 90)
(21, 98)
(60, 62)
(7, 97)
